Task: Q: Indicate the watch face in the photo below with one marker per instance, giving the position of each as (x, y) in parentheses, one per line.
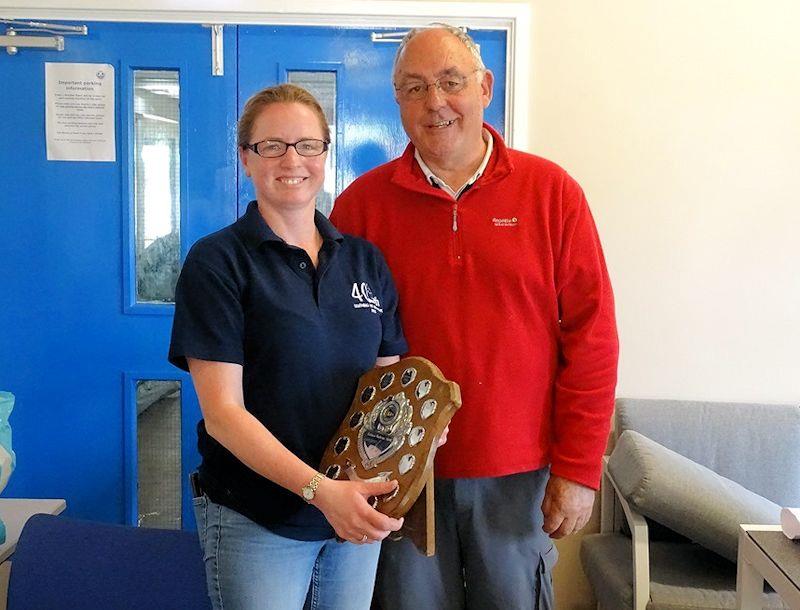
(308, 493)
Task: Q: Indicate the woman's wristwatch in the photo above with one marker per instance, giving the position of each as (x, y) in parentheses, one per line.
(309, 491)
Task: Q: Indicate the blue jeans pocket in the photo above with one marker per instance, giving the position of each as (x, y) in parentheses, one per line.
(200, 506)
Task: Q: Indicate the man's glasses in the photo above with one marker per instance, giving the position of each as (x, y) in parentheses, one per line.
(452, 84)
(270, 149)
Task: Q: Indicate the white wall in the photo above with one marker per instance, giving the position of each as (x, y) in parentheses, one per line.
(681, 120)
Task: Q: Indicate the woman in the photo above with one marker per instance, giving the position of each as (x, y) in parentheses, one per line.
(266, 321)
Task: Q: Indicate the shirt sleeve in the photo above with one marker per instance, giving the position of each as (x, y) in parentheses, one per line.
(587, 369)
(393, 342)
(209, 322)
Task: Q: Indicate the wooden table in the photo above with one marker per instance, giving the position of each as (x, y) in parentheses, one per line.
(15, 513)
(766, 554)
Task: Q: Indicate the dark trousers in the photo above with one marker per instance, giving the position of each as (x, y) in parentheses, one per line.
(491, 551)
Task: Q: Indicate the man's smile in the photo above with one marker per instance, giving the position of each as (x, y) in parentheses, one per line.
(291, 180)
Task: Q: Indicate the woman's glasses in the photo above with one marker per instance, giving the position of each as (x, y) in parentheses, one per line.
(270, 149)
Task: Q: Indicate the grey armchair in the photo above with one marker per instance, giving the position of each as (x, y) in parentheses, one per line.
(680, 479)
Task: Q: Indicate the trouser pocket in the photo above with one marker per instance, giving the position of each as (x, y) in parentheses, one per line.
(544, 579)
(200, 506)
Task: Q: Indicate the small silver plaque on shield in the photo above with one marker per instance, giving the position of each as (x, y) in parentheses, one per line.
(384, 430)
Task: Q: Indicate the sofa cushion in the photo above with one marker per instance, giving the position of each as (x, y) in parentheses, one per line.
(718, 434)
(683, 576)
(685, 496)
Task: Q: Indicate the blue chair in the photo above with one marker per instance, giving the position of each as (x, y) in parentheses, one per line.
(69, 563)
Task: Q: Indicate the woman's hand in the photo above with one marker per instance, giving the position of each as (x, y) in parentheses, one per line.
(346, 506)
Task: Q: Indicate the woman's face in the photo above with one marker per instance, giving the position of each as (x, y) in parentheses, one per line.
(289, 181)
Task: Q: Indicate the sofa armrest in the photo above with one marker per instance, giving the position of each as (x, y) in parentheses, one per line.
(640, 542)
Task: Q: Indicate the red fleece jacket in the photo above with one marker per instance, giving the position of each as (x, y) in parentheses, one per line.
(506, 290)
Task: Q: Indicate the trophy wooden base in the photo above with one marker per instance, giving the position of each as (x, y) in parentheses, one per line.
(419, 525)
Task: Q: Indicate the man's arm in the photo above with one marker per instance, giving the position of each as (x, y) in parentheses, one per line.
(587, 370)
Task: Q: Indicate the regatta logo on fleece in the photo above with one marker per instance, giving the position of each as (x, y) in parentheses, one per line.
(506, 222)
(363, 298)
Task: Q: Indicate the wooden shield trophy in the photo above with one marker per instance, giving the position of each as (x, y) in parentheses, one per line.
(391, 432)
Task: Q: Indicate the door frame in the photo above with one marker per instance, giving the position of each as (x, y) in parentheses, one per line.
(513, 17)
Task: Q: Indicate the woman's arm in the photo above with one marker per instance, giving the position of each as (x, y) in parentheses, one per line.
(344, 503)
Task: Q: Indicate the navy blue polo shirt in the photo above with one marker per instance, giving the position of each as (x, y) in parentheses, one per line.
(303, 337)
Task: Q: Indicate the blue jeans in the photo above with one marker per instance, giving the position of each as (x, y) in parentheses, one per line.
(248, 567)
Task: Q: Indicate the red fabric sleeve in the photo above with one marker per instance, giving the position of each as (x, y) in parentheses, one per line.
(589, 348)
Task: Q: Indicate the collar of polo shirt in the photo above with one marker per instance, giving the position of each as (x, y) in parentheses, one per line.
(439, 183)
(257, 231)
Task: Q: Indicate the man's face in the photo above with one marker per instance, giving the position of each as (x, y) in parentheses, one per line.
(445, 129)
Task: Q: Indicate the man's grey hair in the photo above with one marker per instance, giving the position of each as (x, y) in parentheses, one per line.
(459, 33)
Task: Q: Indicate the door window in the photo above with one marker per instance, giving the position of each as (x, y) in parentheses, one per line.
(158, 453)
(323, 86)
(157, 193)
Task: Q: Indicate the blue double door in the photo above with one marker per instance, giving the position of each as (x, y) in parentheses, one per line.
(79, 341)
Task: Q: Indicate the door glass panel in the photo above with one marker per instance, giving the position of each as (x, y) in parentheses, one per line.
(323, 86)
(158, 455)
(157, 184)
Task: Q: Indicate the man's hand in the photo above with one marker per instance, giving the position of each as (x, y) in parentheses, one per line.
(567, 506)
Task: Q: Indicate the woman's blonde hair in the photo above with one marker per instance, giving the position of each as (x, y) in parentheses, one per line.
(279, 94)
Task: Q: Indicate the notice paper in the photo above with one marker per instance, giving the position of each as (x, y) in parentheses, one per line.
(79, 120)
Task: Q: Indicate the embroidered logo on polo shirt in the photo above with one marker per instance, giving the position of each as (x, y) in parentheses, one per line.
(364, 298)
(506, 222)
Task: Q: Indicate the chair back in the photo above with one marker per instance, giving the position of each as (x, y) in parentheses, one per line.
(69, 563)
(756, 445)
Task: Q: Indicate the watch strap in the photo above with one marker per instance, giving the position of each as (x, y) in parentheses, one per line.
(310, 490)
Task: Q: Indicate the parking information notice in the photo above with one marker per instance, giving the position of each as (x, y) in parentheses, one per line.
(79, 120)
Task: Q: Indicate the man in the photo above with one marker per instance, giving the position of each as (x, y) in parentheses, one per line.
(503, 285)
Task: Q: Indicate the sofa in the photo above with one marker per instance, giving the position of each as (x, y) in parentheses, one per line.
(681, 478)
